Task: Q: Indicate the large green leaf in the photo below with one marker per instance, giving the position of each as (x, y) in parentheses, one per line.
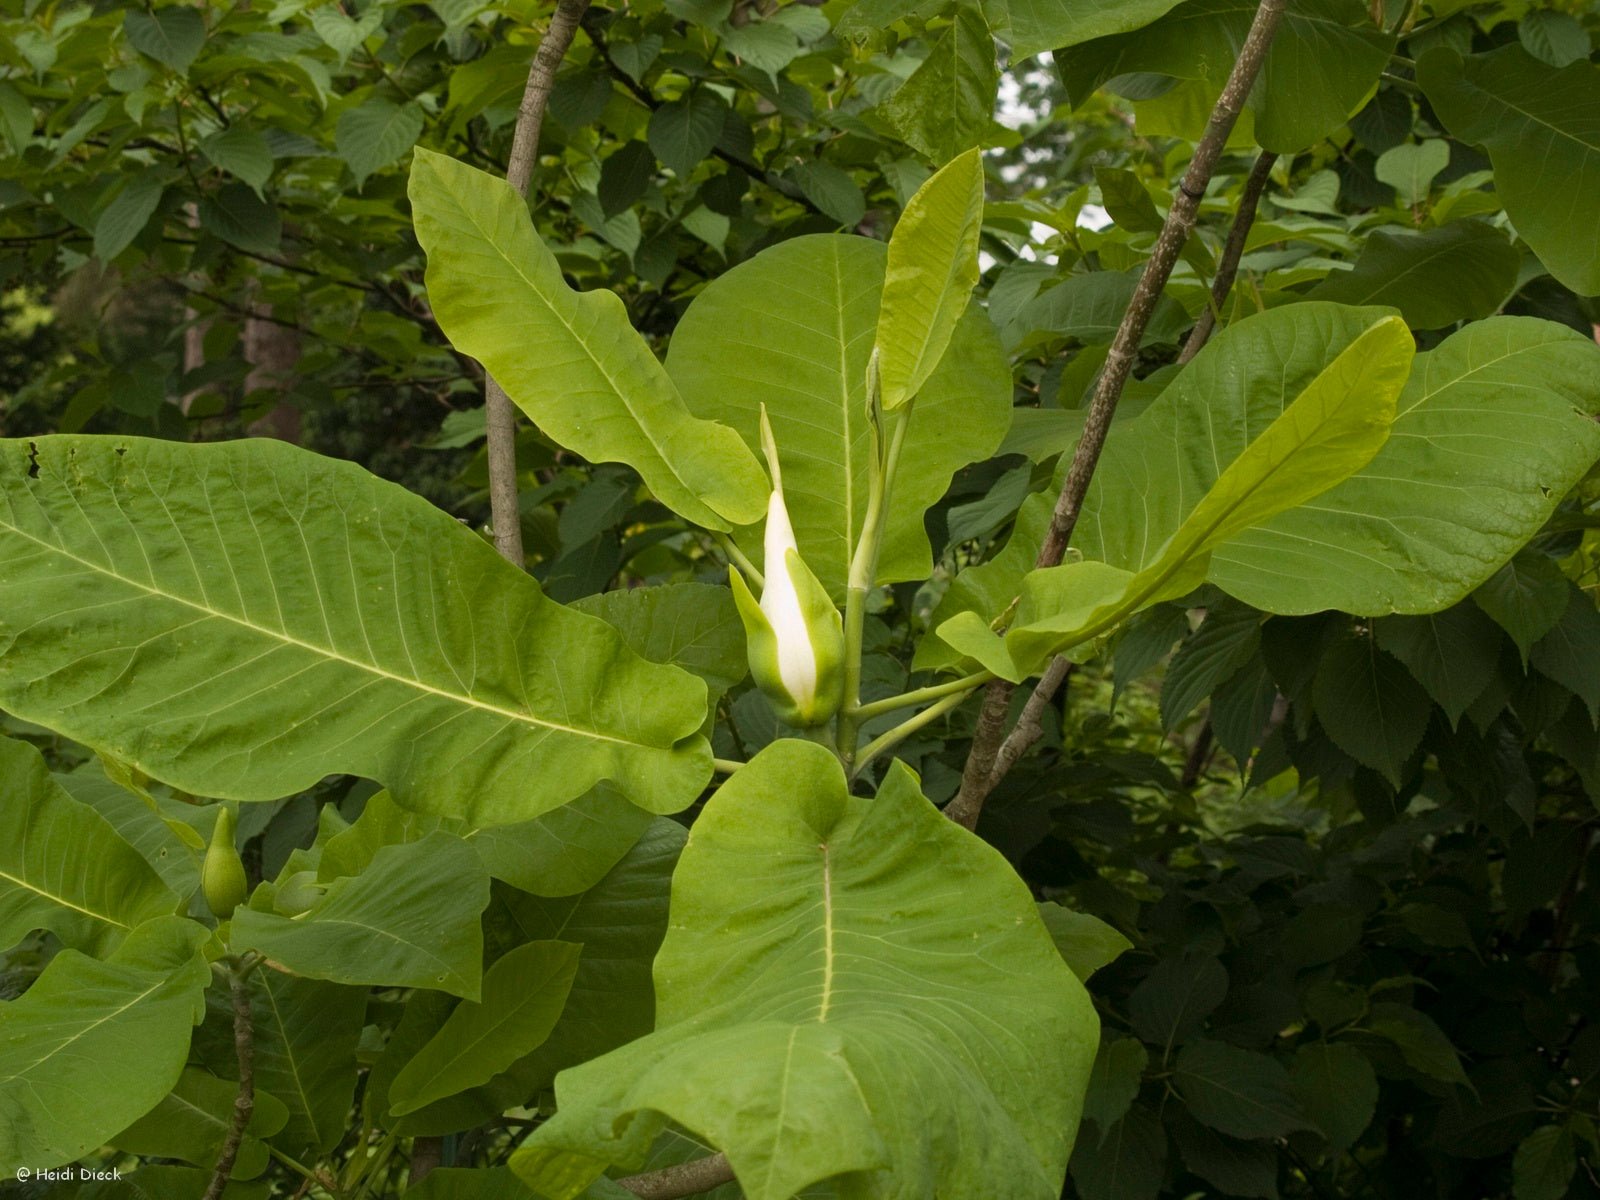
(1320, 68)
(1037, 25)
(1493, 430)
(793, 328)
(409, 920)
(690, 625)
(192, 1120)
(1459, 272)
(619, 923)
(93, 1045)
(1333, 427)
(63, 867)
(1541, 128)
(850, 986)
(242, 619)
(569, 359)
(523, 995)
(306, 1032)
(928, 280)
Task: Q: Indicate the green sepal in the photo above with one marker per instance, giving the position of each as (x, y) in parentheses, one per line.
(826, 628)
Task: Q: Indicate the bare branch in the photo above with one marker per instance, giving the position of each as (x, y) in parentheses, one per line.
(979, 778)
(244, 1101)
(1228, 265)
(499, 415)
(685, 1179)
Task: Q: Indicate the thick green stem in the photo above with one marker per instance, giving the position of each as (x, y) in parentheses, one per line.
(905, 729)
(922, 695)
(863, 572)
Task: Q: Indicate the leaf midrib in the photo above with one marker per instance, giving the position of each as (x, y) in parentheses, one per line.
(525, 718)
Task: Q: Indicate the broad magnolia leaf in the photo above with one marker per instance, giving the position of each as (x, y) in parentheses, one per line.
(947, 106)
(93, 1045)
(1322, 64)
(1541, 128)
(570, 360)
(1493, 430)
(931, 270)
(193, 1119)
(167, 843)
(63, 867)
(1037, 25)
(523, 995)
(409, 920)
(1332, 428)
(850, 986)
(1459, 272)
(306, 1032)
(690, 625)
(619, 923)
(242, 619)
(562, 852)
(793, 329)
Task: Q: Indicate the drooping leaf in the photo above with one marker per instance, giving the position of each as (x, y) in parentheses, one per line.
(1051, 24)
(192, 1120)
(1086, 942)
(375, 134)
(1088, 308)
(831, 189)
(63, 867)
(682, 132)
(947, 105)
(306, 1032)
(1114, 1082)
(1491, 433)
(1553, 37)
(409, 920)
(1525, 597)
(1227, 639)
(931, 270)
(472, 1183)
(594, 386)
(93, 1045)
(238, 216)
(1569, 652)
(172, 35)
(523, 995)
(1333, 427)
(270, 616)
(619, 923)
(1370, 705)
(1237, 1092)
(793, 328)
(167, 843)
(1452, 653)
(1462, 271)
(624, 176)
(1173, 1001)
(1322, 64)
(1541, 128)
(242, 152)
(125, 217)
(1127, 1163)
(1544, 1164)
(1232, 1166)
(1421, 1042)
(818, 1012)
(1337, 1088)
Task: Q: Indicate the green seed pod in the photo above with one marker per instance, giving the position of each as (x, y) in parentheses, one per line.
(222, 873)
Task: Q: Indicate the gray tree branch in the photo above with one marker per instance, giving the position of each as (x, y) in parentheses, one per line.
(979, 778)
(244, 1101)
(500, 418)
(684, 1179)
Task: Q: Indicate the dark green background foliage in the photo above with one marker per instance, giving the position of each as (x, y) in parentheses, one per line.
(1353, 857)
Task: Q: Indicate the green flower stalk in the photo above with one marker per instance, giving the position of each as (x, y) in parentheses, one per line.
(794, 634)
(222, 876)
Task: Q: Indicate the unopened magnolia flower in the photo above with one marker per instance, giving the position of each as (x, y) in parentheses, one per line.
(794, 634)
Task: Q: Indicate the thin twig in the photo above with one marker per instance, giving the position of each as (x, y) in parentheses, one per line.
(1228, 265)
(244, 1101)
(500, 419)
(978, 778)
(1030, 725)
(684, 1179)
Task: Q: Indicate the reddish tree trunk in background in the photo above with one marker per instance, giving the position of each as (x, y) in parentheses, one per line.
(273, 352)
